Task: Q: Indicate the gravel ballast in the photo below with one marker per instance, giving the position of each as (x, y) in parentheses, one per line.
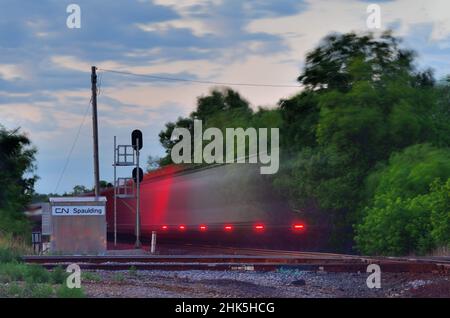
(281, 283)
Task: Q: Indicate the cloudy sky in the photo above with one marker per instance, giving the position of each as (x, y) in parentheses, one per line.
(45, 66)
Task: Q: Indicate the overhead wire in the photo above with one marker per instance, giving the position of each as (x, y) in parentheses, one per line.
(69, 155)
(205, 82)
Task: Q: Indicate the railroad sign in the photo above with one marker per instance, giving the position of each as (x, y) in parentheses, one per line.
(135, 135)
(82, 210)
(141, 175)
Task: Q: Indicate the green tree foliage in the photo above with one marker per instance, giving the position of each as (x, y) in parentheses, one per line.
(363, 100)
(331, 65)
(300, 115)
(409, 205)
(17, 180)
(221, 108)
(439, 123)
(80, 189)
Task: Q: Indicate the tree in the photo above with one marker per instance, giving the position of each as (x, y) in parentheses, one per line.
(409, 205)
(153, 163)
(105, 184)
(17, 179)
(362, 100)
(221, 108)
(329, 66)
(80, 189)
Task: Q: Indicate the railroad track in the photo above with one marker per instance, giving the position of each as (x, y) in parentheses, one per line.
(266, 260)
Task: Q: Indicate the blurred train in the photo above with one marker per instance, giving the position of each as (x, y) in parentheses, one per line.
(229, 204)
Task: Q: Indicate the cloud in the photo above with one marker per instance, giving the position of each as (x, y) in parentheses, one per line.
(45, 67)
(11, 72)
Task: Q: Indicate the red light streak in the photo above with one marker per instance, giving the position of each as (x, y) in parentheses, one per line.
(299, 226)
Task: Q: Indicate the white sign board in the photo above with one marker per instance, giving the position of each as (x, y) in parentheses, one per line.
(73, 210)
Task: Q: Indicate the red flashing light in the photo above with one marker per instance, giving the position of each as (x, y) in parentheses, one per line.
(182, 227)
(228, 227)
(164, 227)
(202, 227)
(259, 227)
(299, 226)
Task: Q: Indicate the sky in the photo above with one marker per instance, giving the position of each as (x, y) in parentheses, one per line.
(45, 66)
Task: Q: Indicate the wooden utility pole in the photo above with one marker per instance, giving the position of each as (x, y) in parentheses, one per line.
(95, 131)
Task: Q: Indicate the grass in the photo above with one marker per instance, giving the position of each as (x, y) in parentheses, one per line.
(90, 276)
(41, 291)
(30, 280)
(10, 272)
(65, 292)
(21, 290)
(118, 277)
(34, 281)
(12, 248)
(132, 271)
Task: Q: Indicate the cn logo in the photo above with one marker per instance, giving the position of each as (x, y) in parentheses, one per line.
(374, 279)
(74, 279)
(74, 19)
(62, 210)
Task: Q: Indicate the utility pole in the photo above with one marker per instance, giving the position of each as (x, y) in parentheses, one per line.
(95, 131)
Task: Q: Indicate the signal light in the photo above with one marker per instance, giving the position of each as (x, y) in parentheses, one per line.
(202, 227)
(259, 227)
(228, 227)
(164, 227)
(182, 227)
(299, 226)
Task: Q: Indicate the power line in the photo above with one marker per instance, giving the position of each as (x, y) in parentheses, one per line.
(176, 79)
(73, 146)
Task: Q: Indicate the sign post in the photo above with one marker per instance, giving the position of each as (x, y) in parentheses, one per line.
(136, 141)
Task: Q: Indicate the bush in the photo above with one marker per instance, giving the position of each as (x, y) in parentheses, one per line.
(15, 290)
(18, 290)
(10, 272)
(40, 291)
(8, 255)
(440, 213)
(37, 274)
(58, 275)
(395, 226)
(65, 292)
(132, 271)
(409, 204)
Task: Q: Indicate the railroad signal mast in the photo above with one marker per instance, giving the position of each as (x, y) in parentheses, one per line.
(128, 188)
